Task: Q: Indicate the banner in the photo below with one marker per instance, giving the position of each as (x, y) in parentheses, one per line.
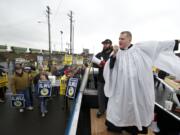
(40, 60)
(63, 82)
(44, 88)
(4, 80)
(71, 88)
(68, 59)
(79, 60)
(52, 78)
(17, 101)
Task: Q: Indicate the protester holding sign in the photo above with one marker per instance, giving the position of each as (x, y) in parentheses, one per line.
(43, 92)
(71, 88)
(20, 85)
(37, 77)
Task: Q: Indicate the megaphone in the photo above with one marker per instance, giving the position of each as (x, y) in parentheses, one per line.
(95, 60)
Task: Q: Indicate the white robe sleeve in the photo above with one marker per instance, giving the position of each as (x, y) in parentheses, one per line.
(154, 48)
(170, 63)
(110, 76)
(163, 56)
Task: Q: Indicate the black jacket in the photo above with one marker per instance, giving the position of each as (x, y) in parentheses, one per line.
(37, 78)
(105, 55)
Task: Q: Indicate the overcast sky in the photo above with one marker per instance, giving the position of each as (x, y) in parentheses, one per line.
(94, 21)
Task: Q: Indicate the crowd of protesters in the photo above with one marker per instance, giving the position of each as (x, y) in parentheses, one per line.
(25, 81)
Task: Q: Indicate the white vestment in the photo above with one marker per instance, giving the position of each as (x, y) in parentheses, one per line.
(129, 84)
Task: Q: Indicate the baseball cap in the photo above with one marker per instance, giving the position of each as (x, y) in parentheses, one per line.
(107, 41)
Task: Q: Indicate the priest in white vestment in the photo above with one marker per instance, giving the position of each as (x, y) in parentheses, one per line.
(129, 80)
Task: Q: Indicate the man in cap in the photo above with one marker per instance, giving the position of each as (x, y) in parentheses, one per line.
(20, 85)
(103, 56)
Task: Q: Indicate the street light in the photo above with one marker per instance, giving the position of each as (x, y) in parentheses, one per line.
(49, 37)
(41, 22)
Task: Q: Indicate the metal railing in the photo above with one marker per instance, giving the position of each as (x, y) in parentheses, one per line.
(174, 98)
(74, 116)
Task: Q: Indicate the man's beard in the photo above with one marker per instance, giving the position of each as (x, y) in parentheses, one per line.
(106, 49)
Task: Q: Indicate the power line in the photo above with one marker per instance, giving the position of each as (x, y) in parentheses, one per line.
(58, 7)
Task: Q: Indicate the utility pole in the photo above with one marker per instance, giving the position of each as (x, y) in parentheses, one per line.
(49, 30)
(68, 48)
(71, 27)
(61, 41)
(49, 36)
(73, 38)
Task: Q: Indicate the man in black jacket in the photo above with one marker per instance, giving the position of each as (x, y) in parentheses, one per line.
(103, 56)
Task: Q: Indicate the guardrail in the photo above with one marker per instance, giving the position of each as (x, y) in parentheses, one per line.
(172, 90)
(73, 120)
(170, 113)
(174, 98)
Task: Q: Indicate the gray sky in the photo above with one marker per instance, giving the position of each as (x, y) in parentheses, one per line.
(94, 21)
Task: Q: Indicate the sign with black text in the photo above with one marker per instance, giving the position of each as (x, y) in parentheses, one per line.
(17, 101)
(44, 88)
(71, 88)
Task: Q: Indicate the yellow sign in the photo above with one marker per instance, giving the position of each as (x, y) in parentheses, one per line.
(63, 84)
(68, 59)
(54, 62)
(3, 81)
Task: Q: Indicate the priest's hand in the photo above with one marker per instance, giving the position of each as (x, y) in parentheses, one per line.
(115, 50)
(103, 62)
